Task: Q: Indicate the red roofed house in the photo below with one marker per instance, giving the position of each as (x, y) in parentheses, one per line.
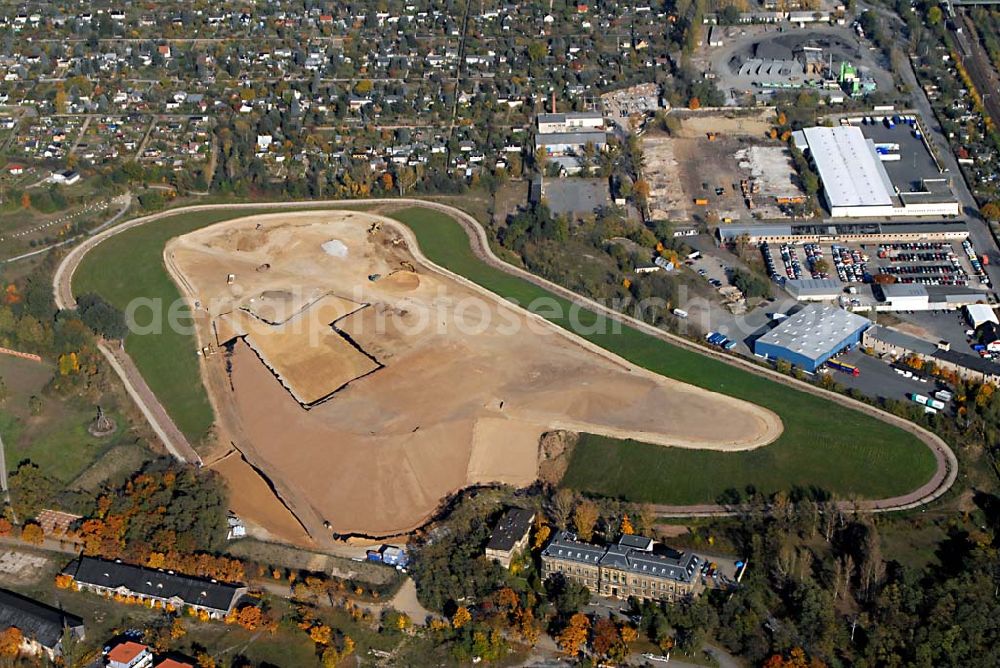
(174, 663)
(326, 18)
(15, 170)
(164, 50)
(130, 655)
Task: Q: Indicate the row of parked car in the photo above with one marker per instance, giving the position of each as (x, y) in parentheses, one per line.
(934, 256)
(977, 266)
(914, 246)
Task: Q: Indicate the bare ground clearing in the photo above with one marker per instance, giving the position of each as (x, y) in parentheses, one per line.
(467, 383)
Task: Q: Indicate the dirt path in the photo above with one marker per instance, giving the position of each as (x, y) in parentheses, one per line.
(947, 464)
(172, 438)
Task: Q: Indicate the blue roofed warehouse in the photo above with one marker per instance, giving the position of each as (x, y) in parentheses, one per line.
(810, 337)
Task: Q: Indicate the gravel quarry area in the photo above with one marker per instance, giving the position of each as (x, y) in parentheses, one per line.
(460, 387)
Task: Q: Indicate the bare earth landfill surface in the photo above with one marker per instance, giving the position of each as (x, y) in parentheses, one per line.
(367, 385)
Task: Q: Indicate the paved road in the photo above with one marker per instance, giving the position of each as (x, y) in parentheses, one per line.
(126, 201)
(947, 464)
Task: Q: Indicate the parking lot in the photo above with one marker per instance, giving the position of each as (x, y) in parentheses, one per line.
(915, 161)
(879, 379)
(797, 261)
(923, 263)
(949, 326)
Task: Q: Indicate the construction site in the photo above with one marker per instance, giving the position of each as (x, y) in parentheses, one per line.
(322, 334)
(751, 176)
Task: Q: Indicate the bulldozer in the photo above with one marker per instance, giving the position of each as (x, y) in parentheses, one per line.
(375, 227)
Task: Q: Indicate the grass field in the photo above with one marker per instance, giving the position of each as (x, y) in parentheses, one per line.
(56, 439)
(824, 446)
(130, 265)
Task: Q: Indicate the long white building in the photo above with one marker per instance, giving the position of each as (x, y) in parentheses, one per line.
(856, 184)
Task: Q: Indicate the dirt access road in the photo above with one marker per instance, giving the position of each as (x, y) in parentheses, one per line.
(947, 463)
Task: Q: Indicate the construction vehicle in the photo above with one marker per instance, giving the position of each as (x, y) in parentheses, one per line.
(701, 201)
(375, 227)
(712, 136)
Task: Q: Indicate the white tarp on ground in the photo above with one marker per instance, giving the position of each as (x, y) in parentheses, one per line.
(335, 247)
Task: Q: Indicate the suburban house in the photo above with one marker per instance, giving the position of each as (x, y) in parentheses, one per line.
(66, 177)
(510, 535)
(130, 654)
(174, 663)
(41, 626)
(635, 566)
(149, 584)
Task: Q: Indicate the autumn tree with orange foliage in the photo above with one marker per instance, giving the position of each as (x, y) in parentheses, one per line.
(511, 613)
(573, 638)
(796, 659)
(321, 634)
(585, 517)
(542, 534)
(332, 656)
(694, 104)
(177, 630)
(250, 617)
(10, 642)
(32, 533)
(166, 516)
(6, 528)
(461, 617)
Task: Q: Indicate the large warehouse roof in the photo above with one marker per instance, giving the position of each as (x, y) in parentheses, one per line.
(851, 171)
(815, 330)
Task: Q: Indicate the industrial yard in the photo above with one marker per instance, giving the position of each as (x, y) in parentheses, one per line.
(752, 177)
(367, 450)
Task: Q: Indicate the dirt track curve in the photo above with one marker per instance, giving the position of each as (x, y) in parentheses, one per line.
(947, 464)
